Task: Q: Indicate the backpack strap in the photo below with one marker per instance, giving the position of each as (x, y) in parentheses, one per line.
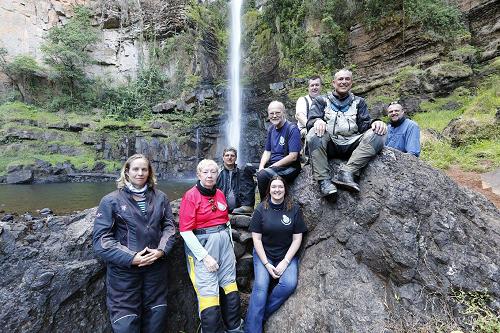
(307, 106)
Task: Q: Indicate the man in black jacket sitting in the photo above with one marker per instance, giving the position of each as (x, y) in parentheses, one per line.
(228, 180)
(339, 125)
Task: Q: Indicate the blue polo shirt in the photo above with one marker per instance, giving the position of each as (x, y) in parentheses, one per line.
(275, 142)
(405, 137)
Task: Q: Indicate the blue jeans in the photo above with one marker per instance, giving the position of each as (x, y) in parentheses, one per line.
(262, 303)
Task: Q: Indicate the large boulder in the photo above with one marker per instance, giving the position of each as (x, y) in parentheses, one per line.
(23, 176)
(393, 255)
(51, 281)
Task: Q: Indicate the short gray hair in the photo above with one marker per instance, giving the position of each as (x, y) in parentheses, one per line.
(276, 105)
(205, 163)
(342, 70)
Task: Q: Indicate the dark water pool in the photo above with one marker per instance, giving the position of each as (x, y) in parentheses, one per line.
(64, 198)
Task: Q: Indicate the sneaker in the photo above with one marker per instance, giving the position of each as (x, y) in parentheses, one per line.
(327, 188)
(345, 180)
(243, 210)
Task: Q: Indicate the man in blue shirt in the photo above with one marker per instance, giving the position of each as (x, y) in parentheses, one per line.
(402, 133)
(280, 157)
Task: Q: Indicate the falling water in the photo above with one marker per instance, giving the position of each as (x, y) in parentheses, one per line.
(234, 124)
(197, 145)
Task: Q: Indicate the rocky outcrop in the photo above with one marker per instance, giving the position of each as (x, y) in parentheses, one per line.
(380, 54)
(51, 281)
(390, 258)
(383, 260)
(124, 25)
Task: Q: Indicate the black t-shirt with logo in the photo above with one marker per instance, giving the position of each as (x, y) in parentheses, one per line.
(277, 227)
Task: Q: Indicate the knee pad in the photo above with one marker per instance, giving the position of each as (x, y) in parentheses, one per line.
(211, 320)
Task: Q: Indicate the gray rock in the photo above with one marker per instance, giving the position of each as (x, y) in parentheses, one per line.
(7, 217)
(411, 233)
(243, 236)
(239, 250)
(45, 211)
(24, 176)
(277, 86)
(385, 255)
(78, 127)
(204, 94)
(189, 98)
(240, 221)
(166, 107)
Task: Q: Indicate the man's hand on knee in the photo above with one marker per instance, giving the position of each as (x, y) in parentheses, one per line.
(320, 127)
(379, 127)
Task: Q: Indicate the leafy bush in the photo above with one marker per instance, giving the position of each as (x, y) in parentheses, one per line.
(135, 100)
(66, 50)
(23, 71)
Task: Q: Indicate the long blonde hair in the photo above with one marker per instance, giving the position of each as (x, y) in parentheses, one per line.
(151, 181)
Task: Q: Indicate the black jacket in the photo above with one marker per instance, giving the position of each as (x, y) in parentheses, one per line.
(121, 229)
(223, 184)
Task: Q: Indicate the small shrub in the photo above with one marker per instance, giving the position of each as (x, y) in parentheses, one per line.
(479, 316)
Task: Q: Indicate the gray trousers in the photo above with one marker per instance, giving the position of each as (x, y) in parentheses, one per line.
(215, 314)
(359, 152)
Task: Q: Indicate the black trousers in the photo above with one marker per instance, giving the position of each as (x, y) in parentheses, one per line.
(247, 183)
(137, 297)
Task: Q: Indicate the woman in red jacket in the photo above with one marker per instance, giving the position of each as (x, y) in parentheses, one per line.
(204, 226)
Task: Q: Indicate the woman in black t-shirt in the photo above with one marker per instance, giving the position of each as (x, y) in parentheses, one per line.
(277, 227)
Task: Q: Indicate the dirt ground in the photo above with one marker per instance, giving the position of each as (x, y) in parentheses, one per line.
(472, 180)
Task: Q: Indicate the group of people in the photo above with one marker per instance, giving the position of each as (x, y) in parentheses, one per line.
(333, 125)
(134, 227)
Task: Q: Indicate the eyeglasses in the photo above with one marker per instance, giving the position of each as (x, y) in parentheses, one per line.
(212, 202)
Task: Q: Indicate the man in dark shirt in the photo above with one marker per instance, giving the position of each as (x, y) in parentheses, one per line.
(280, 157)
(339, 125)
(228, 180)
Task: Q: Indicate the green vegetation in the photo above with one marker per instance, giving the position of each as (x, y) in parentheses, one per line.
(312, 35)
(22, 71)
(66, 52)
(475, 308)
(472, 140)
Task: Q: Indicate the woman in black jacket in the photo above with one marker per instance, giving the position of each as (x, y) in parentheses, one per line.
(133, 231)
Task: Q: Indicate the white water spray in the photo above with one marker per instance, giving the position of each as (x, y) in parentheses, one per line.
(234, 124)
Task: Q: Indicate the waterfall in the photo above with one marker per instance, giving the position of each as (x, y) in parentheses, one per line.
(197, 145)
(234, 124)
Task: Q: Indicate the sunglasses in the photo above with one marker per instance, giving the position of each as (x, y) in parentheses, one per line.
(212, 202)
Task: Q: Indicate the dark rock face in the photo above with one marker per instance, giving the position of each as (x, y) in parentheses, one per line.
(389, 256)
(51, 281)
(20, 177)
(38, 172)
(393, 254)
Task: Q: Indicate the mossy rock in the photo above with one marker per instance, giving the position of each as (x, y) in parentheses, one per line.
(450, 70)
(464, 54)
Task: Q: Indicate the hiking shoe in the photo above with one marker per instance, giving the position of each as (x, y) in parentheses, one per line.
(345, 180)
(327, 188)
(243, 210)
